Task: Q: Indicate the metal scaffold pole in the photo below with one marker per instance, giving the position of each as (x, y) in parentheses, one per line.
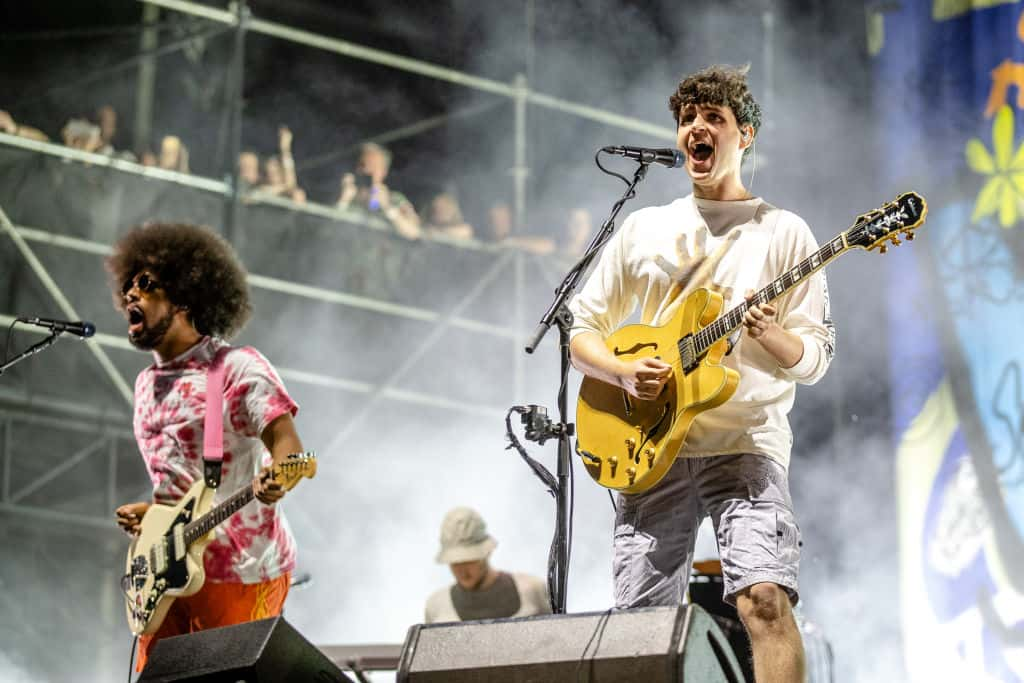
(234, 99)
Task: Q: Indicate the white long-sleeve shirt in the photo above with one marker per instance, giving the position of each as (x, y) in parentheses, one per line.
(663, 253)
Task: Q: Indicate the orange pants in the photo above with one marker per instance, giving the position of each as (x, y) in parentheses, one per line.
(218, 604)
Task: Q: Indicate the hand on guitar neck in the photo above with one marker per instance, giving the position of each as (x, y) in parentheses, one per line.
(759, 322)
(264, 486)
(281, 440)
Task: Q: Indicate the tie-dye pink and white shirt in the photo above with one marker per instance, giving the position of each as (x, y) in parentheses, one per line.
(255, 544)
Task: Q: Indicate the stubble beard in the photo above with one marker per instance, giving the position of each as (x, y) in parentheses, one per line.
(151, 337)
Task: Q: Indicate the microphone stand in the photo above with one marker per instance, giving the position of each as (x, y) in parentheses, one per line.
(558, 313)
(34, 349)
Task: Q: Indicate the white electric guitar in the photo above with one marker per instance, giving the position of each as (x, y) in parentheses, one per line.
(165, 561)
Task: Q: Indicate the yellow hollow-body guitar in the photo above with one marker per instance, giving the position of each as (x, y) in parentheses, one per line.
(165, 561)
(629, 444)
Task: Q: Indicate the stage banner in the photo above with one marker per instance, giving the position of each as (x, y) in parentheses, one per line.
(950, 112)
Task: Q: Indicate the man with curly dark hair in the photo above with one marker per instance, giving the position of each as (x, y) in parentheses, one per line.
(184, 292)
(733, 464)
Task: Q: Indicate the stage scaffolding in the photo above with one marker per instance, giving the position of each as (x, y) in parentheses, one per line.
(104, 422)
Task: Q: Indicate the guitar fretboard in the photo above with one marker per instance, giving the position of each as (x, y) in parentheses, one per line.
(198, 528)
(724, 326)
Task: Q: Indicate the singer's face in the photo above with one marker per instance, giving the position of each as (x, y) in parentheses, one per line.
(149, 311)
(711, 139)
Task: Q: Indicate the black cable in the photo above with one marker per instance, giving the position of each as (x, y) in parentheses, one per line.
(538, 469)
(131, 658)
(572, 515)
(597, 160)
(584, 260)
(598, 633)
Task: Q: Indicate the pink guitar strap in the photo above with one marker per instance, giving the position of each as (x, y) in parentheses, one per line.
(213, 423)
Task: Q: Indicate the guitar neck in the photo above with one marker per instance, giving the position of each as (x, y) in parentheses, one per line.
(726, 324)
(198, 528)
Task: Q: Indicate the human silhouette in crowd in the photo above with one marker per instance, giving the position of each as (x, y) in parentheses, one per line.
(364, 189)
(249, 176)
(173, 154)
(578, 230)
(444, 217)
(106, 120)
(9, 126)
(81, 134)
(500, 228)
(279, 177)
(480, 591)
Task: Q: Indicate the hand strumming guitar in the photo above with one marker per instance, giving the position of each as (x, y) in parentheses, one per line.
(644, 377)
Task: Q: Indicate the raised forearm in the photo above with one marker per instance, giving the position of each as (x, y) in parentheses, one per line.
(281, 438)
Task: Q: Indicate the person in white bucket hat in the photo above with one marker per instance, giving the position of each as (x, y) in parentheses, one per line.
(480, 591)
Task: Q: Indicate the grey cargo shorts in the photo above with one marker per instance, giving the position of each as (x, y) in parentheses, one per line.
(747, 497)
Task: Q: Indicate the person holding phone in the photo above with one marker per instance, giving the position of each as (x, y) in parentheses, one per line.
(364, 188)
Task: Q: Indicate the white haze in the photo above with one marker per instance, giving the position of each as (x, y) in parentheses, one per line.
(368, 525)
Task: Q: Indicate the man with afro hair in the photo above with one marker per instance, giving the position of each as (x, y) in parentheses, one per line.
(184, 293)
(733, 464)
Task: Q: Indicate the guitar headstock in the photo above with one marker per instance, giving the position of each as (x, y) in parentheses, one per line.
(297, 466)
(879, 228)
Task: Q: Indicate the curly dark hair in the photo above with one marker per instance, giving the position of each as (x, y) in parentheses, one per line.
(196, 268)
(719, 85)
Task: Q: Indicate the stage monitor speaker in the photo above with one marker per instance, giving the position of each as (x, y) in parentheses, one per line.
(264, 651)
(669, 644)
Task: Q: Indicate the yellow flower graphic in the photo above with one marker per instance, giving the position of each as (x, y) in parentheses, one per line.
(1004, 190)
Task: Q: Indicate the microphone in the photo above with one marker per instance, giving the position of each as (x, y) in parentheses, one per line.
(81, 328)
(672, 158)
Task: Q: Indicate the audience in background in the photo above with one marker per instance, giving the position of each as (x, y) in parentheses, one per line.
(173, 154)
(279, 177)
(106, 120)
(81, 134)
(444, 218)
(500, 216)
(364, 189)
(578, 231)
(248, 171)
(8, 125)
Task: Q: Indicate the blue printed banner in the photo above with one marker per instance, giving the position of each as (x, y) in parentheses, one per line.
(951, 96)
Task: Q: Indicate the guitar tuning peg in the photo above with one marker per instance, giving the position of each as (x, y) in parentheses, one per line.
(895, 240)
(882, 248)
(909, 236)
